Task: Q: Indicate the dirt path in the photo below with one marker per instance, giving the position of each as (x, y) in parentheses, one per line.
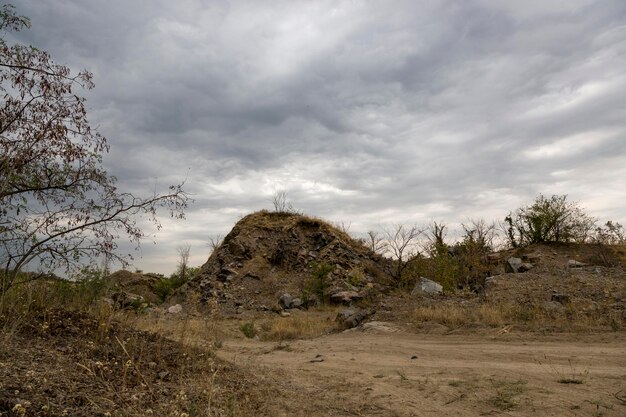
(382, 373)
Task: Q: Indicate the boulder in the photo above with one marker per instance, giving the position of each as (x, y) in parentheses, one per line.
(350, 318)
(344, 297)
(285, 301)
(515, 265)
(428, 286)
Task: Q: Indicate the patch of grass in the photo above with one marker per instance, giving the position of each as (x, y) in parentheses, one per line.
(569, 374)
(297, 327)
(570, 381)
(248, 329)
(506, 392)
(458, 316)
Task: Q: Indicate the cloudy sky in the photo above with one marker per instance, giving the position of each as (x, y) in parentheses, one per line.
(366, 112)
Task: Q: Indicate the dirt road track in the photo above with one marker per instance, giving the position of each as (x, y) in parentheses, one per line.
(404, 374)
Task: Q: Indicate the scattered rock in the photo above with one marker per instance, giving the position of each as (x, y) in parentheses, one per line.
(572, 263)
(285, 314)
(175, 309)
(425, 285)
(344, 297)
(414, 357)
(317, 358)
(560, 298)
(164, 375)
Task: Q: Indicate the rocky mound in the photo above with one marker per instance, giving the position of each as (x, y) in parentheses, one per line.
(128, 287)
(268, 255)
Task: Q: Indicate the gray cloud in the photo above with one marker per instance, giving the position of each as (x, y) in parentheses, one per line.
(367, 112)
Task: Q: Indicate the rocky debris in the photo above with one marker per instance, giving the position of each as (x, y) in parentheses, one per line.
(349, 318)
(124, 299)
(344, 297)
(164, 375)
(572, 263)
(428, 286)
(560, 298)
(175, 309)
(517, 265)
(317, 358)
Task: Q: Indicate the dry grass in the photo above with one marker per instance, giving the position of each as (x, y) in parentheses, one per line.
(299, 326)
(525, 316)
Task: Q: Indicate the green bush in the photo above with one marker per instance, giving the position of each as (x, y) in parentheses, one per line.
(318, 285)
(548, 220)
(248, 330)
(167, 286)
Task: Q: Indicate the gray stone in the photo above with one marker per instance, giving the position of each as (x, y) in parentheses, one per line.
(515, 265)
(296, 303)
(350, 318)
(572, 263)
(175, 309)
(285, 301)
(428, 286)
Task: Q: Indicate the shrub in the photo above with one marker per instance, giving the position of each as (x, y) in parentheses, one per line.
(248, 330)
(319, 281)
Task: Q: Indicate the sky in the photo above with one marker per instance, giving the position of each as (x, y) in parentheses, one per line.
(368, 113)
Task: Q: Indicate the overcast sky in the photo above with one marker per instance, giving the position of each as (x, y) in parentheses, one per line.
(366, 112)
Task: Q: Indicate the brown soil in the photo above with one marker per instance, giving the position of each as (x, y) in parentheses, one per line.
(386, 373)
(65, 363)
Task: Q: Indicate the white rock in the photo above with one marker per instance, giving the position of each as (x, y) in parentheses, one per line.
(175, 309)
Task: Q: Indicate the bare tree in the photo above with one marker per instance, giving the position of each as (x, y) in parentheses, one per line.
(402, 244)
(376, 242)
(281, 203)
(215, 242)
(58, 205)
(183, 261)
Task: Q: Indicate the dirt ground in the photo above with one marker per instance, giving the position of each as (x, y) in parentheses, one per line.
(390, 372)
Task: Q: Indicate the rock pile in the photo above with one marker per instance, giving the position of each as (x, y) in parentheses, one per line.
(267, 262)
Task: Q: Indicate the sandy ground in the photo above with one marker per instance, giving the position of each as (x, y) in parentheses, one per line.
(390, 372)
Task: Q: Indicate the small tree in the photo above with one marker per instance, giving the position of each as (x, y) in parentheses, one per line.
(548, 220)
(611, 233)
(402, 244)
(58, 205)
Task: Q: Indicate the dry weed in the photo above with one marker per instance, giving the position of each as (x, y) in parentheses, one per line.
(298, 326)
